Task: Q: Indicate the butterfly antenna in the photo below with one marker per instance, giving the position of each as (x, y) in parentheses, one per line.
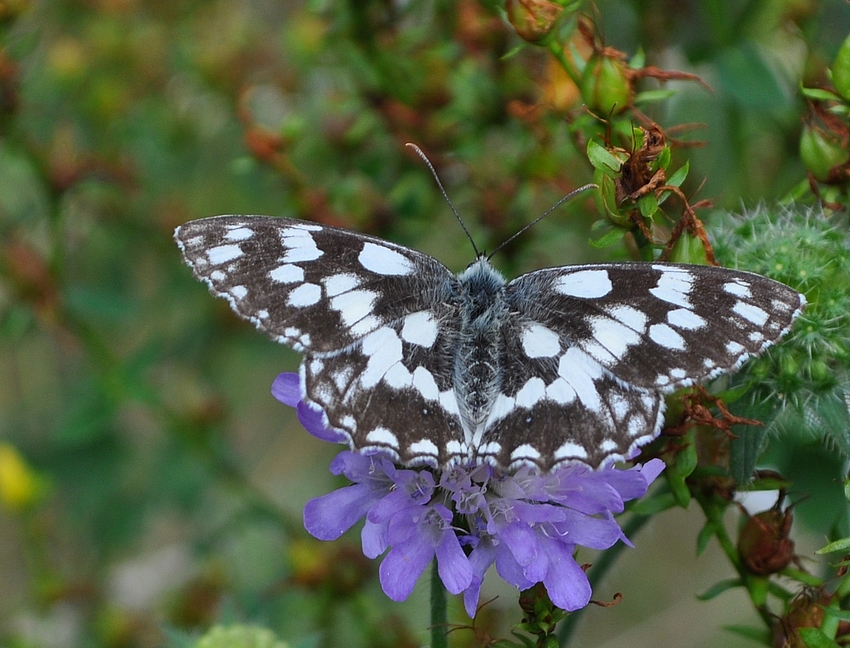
(543, 215)
(445, 195)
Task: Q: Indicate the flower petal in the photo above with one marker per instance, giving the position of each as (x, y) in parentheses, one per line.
(452, 564)
(588, 531)
(329, 516)
(287, 388)
(403, 566)
(374, 538)
(565, 581)
(313, 420)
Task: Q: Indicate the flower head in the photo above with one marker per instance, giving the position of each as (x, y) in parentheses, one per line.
(525, 523)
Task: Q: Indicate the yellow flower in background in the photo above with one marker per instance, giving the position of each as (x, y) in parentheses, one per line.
(18, 483)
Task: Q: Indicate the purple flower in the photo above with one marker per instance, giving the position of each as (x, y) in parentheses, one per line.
(527, 524)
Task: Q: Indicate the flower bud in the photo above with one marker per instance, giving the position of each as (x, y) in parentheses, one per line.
(605, 85)
(533, 19)
(764, 544)
(822, 150)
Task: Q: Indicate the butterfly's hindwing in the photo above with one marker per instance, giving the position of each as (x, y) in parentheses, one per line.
(561, 365)
(394, 390)
(314, 287)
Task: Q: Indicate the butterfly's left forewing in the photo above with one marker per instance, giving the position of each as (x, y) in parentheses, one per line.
(376, 322)
(314, 287)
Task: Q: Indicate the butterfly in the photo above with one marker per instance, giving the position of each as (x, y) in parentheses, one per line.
(561, 365)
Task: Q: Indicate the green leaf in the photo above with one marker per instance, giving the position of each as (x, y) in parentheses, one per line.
(653, 96)
(760, 635)
(819, 94)
(654, 504)
(838, 545)
(609, 238)
(706, 534)
(680, 175)
(841, 615)
(602, 159)
(833, 419)
(718, 588)
(815, 638)
(750, 441)
(638, 60)
(664, 158)
(648, 205)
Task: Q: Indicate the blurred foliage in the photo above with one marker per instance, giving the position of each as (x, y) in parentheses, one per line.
(150, 488)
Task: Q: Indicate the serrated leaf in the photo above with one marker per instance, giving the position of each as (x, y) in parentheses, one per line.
(833, 418)
(815, 638)
(718, 588)
(750, 441)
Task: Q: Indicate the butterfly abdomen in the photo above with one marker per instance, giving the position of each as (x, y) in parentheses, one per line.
(478, 361)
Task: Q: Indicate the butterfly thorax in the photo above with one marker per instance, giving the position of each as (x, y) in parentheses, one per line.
(477, 363)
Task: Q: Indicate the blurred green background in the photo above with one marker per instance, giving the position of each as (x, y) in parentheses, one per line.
(150, 484)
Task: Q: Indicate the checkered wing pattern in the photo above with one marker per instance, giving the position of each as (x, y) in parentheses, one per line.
(561, 365)
(591, 350)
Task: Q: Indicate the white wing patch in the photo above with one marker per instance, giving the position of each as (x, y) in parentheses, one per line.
(540, 342)
(587, 284)
(306, 294)
(674, 286)
(286, 274)
(384, 260)
(420, 329)
(221, 254)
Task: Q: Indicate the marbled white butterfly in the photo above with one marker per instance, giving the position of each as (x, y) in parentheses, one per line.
(565, 364)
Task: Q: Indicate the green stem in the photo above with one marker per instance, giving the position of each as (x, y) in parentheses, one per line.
(757, 587)
(439, 617)
(557, 50)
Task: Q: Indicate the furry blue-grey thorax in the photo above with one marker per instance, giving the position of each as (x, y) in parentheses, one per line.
(560, 365)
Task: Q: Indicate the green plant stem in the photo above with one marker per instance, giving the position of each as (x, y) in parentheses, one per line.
(757, 587)
(557, 50)
(439, 617)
